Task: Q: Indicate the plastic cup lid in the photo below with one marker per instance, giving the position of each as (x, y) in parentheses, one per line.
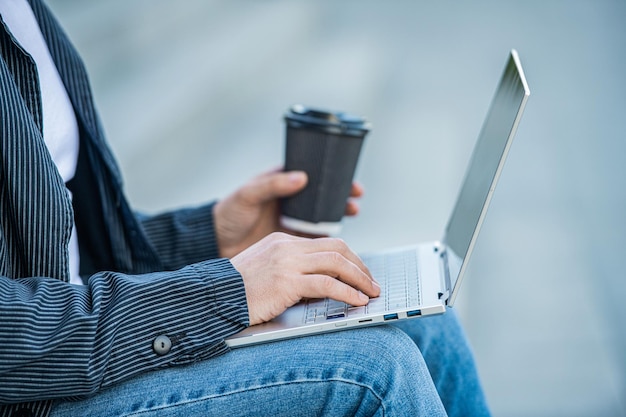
(330, 122)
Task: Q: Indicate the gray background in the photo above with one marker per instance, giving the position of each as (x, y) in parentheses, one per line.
(191, 95)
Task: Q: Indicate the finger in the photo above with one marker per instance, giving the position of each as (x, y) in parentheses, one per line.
(330, 245)
(323, 286)
(327, 244)
(298, 233)
(352, 208)
(272, 185)
(357, 190)
(336, 265)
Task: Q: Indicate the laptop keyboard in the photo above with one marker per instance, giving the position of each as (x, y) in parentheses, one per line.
(396, 272)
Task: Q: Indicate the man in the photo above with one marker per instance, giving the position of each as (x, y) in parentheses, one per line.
(107, 312)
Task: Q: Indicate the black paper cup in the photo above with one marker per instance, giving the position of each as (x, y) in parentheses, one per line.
(326, 145)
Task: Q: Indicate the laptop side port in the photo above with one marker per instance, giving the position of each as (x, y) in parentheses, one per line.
(365, 321)
(393, 316)
(414, 313)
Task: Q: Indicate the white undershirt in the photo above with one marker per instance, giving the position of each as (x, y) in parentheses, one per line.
(60, 129)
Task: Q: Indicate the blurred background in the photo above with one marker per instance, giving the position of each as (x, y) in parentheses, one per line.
(200, 87)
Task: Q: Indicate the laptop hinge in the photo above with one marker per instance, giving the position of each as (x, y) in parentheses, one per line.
(440, 249)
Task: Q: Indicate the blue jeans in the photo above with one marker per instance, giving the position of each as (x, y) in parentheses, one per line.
(375, 371)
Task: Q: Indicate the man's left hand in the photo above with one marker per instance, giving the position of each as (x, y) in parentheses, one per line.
(251, 213)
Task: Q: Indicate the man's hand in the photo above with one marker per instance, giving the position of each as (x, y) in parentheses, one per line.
(251, 212)
(281, 269)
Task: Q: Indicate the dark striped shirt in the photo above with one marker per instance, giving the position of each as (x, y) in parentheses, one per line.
(61, 341)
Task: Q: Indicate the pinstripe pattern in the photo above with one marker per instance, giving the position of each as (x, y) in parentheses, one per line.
(176, 253)
(33, 195)
(63, 341)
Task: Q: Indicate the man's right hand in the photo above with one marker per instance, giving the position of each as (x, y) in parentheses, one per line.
(280, 270)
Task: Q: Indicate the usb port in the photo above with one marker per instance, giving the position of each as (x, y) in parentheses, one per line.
(414, 313)
(393, 316)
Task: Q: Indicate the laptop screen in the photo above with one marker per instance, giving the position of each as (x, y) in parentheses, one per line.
(484, 169)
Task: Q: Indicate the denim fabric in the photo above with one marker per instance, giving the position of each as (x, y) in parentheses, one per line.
(450, 360)
(375, 371)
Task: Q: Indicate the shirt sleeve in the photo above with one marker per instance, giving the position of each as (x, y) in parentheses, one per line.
(66, 341)
(182, 237)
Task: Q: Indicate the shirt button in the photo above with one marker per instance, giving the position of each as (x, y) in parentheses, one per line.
(162, 345)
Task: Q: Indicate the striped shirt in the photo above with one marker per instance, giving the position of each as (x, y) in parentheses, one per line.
(162, 274)
(60, 130)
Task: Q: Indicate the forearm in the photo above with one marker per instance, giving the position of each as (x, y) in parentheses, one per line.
(182, 237)
(61, 340)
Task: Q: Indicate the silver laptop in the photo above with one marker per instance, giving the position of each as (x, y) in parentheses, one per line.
(420, 280)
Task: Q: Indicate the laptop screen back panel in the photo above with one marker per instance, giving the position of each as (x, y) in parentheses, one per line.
(484, 170)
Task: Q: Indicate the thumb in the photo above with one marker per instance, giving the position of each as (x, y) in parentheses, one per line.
(274, 185)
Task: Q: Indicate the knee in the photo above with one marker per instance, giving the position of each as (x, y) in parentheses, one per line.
(381, 356)
(384, 342)
(387, 362)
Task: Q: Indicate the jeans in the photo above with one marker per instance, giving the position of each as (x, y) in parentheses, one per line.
(376, 371)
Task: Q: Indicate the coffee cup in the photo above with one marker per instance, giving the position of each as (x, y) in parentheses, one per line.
(326, 145)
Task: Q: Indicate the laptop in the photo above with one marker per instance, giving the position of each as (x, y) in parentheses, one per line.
(420, 280)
